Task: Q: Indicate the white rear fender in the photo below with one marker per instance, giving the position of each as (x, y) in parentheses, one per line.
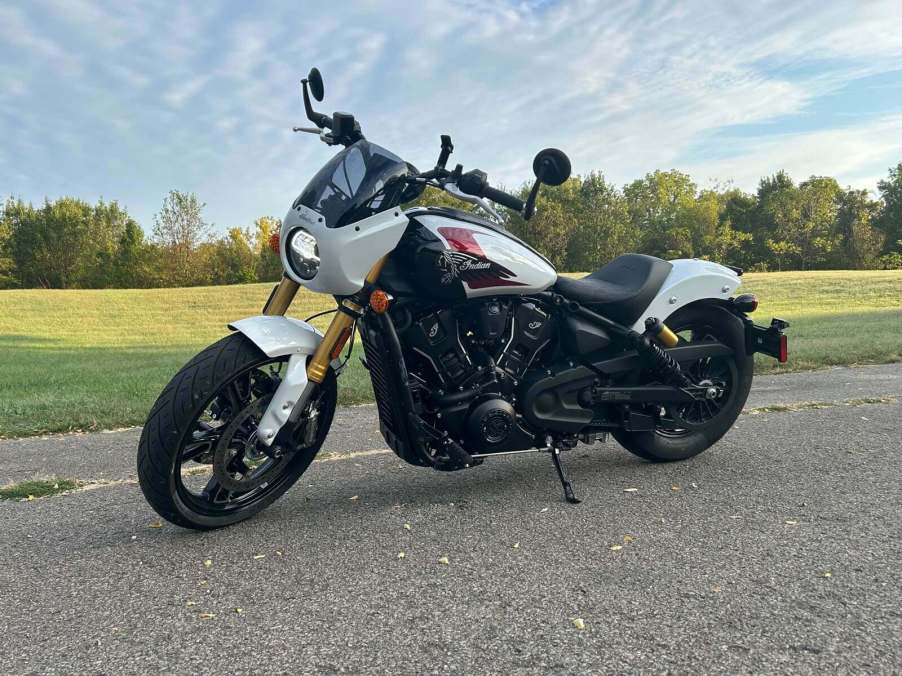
(690, 280)
(279, 336)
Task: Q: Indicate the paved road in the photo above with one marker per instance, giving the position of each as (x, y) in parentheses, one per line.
(778, 550)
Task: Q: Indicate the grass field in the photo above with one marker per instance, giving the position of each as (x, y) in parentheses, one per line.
(82, 360)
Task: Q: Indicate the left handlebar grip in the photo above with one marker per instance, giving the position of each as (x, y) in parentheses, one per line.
(503, 198)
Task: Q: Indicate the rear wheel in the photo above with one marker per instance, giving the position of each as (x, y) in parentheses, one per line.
(686, 430)
(199, 465)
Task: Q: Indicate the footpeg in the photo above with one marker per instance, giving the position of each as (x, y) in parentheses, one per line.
(565, 482)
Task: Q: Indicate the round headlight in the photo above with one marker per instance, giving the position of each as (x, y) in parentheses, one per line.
(303, 254)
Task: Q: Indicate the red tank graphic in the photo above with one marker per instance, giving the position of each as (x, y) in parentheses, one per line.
(469, 262)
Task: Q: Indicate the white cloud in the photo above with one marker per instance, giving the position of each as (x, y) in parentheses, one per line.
(201, 97)
(184, 90)
(852, 153)
(17, 31)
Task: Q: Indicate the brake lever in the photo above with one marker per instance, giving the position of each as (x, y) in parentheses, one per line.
(454, 191)
(309, 130)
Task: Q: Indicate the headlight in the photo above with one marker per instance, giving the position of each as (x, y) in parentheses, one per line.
(303, 254)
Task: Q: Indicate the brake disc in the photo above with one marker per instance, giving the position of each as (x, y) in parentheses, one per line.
(238, 464)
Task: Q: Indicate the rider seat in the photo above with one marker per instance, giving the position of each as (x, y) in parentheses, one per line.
(620, 290)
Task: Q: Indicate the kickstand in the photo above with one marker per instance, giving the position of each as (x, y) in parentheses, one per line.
(565, 482)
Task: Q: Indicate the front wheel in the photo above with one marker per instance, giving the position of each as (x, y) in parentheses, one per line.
(199, 465)
(684, 431)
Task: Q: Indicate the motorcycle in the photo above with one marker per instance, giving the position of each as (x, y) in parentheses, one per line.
(475, 346)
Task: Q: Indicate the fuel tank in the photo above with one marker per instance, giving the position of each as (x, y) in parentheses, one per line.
(454, 255)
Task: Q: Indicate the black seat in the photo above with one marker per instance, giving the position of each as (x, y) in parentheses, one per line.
(620, 290)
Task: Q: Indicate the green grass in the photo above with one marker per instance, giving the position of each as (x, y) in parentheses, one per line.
(83, 360)
(837, 318)
(36, 488)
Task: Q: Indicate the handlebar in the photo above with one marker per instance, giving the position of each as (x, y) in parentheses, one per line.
(503, 198)
(475, 183)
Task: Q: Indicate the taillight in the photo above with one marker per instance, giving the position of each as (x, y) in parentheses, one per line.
(784, 350)
(747, 302)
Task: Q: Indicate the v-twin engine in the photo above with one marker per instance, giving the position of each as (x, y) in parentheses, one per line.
(465, 365)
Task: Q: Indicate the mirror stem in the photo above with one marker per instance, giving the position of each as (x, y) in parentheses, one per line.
(318, 119)
(530, 209)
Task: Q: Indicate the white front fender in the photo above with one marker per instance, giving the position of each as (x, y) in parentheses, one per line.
(278, 336)
(690, 280)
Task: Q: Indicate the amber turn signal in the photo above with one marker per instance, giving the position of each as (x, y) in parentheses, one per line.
(379, 301)
(274, 241)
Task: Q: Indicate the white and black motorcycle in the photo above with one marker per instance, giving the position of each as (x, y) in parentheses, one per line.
(474, 344)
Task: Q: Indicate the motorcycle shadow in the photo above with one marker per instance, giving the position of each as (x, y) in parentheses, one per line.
(384, 482)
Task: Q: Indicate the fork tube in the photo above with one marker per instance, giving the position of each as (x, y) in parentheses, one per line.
(282, 295)
(340, 329)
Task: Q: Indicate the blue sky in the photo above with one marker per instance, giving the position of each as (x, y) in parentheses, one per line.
(128, 100)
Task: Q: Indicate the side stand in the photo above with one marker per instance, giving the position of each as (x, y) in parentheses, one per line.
(565, 482)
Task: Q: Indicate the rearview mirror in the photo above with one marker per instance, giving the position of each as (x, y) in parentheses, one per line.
(315, 80)
(551, 166)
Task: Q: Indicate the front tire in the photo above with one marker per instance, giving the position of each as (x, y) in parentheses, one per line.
(207, 415)
(668, 445)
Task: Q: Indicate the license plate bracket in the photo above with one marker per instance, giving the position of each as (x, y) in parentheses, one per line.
(770, 340)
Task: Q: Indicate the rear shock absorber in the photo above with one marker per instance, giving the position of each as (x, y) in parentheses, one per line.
(657, 361)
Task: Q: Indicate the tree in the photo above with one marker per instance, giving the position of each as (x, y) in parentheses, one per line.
(231, 259)
(8, 276)
(754, 214)
(66, 243)
(890, 218)
(269, 265)
(554, 223)
(180, 229)
(893, 259)
(109, 223)
(740, 212)
(657, 206)
(133, 264)
(602, 230)
(51, 247)
(803, 218)
(860, 242)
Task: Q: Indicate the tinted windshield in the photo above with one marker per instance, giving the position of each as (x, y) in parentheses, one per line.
(343, 190)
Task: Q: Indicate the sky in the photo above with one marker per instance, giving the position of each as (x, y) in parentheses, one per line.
(127, 101)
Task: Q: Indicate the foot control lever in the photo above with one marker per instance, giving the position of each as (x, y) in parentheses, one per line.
(565, 482)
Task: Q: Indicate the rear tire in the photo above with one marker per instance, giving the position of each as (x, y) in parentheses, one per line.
(661, 446)
(173, 423)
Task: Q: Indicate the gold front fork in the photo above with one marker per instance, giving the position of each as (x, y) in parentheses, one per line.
(281, 296)
(339, 330)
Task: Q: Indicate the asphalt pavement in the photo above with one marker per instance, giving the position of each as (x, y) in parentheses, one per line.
(778, 550)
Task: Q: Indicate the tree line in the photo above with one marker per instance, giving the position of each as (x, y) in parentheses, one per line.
(815, 224)
(784, 225)
(68, 243)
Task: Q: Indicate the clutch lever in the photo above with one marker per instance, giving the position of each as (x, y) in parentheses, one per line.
(324, 136)
(454, 191)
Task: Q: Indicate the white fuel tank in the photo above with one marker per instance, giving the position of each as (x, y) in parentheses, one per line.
(484, 261)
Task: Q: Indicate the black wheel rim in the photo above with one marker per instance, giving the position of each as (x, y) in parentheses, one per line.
(719, 373)
(227, 421)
